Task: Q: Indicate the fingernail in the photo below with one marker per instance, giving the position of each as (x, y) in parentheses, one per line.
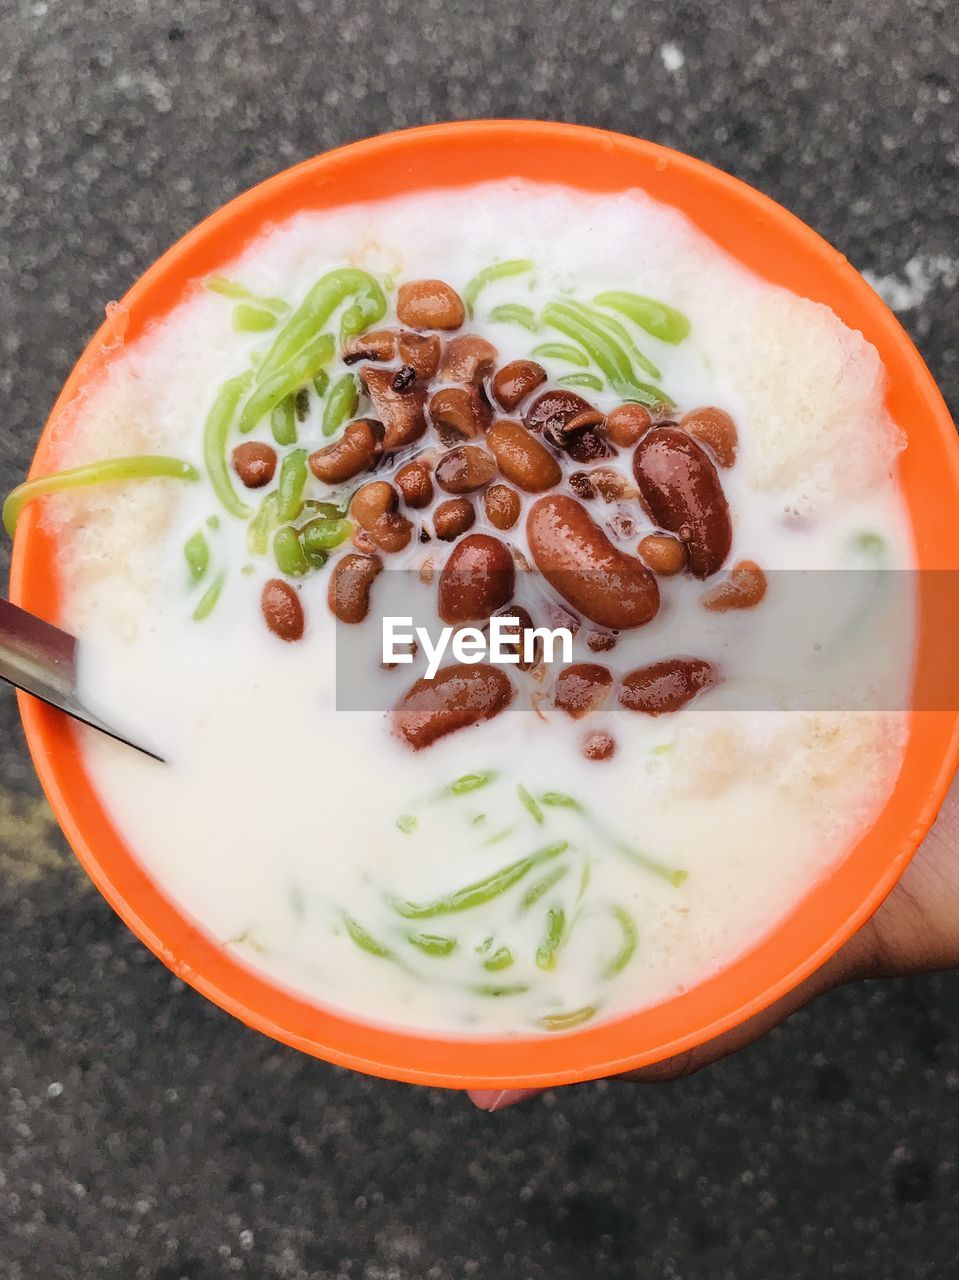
(498, 1099)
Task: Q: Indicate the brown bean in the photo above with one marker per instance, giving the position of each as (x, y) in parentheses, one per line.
(502, 506)
(515, 381)
(352, 453)
(348, 593)
(468, 358)
(599, 745)
(663, 554)
(662, 687)
(282, 610)
(391, 531)
(621, 525)
(460, 409)
(254, 463)
(715, 429)
(600, 642)
(581, 437)
(582, 688)
(581, 485)
(555, 406)
(476, 580)
(453, 517)
(522, 459)
(371, 501)
(626, 424)
(681, 491)
(574, 555)
(744, 589)
(378, 345)
(401, 412)
(466, 469)
(362, 541)
(612, 485)
(421, 351)
(415, 484)
(525, 624)
(430, 304)
(456, 698)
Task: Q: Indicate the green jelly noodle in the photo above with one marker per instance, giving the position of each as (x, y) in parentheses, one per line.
(109, 471)
(489, 275)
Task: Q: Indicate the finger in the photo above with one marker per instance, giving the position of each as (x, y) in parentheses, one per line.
(499, 1099)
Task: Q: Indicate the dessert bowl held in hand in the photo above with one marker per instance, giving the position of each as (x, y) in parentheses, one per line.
(457, 398)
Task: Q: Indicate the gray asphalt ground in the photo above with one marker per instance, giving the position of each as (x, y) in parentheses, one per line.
(144, 1133)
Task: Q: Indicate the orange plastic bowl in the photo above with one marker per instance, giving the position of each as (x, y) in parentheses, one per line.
(772, 243)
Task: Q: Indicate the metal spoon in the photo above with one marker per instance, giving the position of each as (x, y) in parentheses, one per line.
(41, 659)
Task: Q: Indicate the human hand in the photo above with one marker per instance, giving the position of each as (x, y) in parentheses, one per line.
(916, 930)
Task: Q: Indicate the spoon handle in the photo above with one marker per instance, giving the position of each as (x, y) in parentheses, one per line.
(41, 659)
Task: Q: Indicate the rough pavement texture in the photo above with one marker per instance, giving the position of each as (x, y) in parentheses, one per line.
(145, 1134)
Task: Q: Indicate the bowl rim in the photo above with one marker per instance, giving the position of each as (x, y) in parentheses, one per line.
(773, 242)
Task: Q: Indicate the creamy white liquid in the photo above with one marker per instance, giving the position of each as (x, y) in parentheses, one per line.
(277, 815)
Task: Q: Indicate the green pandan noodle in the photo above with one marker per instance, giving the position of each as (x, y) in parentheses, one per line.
(286, 380)
(215, 435)
(109, 471)
(310, 317)
(481, 891)
(498, 271)
(663, 322)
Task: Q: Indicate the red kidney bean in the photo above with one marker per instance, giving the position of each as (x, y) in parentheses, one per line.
(348, 593)
(523, 460)
(460, 409)
(476, 580)
(421, 351)
(574, 555)
(371, 501)
(582, 688)
(561, 406)
(254, 463)
(599, 745)
(415, 484)
(744, 589)
(453, 517)
(625, 425)
(468, 358)
(456, 698)
(515, 381)
(282, 610)
(502, 506)
(662, 687)
(680, 489)
(379, 345)
(345, 458)
(715, 429)
(401, 412)
(430, 304)
(466, 469)
(663, 554)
